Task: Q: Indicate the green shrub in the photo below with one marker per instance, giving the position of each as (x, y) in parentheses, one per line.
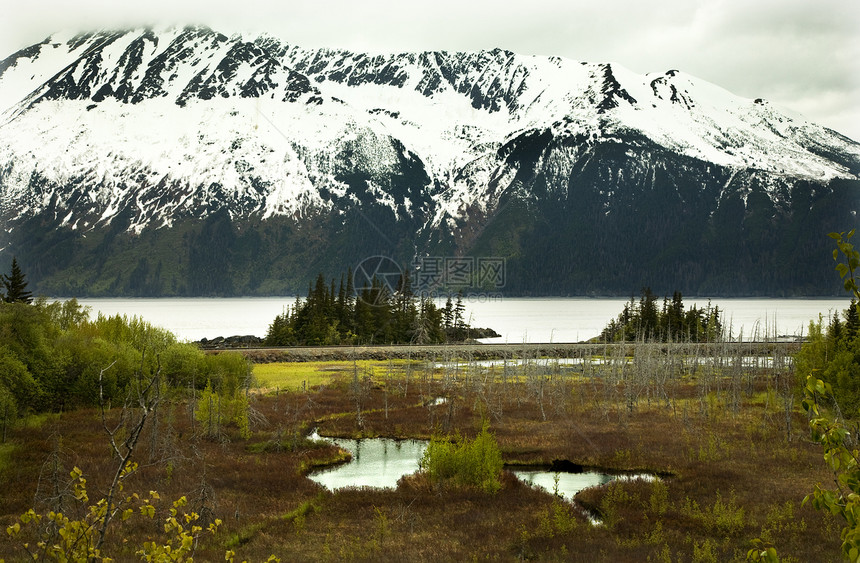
(214, 410)
(471, 463)
(724, 518)
(52, 358)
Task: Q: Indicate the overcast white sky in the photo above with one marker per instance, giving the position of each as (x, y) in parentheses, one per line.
(801, 54)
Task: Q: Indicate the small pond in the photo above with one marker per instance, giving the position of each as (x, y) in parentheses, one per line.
(381, 462)
(376, 462)
(570, 483)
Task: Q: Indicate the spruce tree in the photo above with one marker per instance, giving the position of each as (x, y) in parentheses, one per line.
(16, 286)
(852, 321)
(460, 324)
(835, 328)
(648, 314)
(448, 314)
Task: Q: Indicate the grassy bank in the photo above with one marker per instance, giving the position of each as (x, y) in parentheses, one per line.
(725, 431)
(295, 376)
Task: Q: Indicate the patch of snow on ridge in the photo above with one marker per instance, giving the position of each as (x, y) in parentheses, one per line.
(707, 122)
(122, 150)
(28, 73)
(453, 112)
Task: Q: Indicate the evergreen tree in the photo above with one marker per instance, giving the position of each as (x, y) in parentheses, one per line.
(714, 326)
(448, 314)
(648, 314)
(694, 324)
(835, 329)
(459, 312)
(461, 327)
(642, 320)
(382, 312)
(350, 288)
(329, 317)
(341, 311)
(428, 326)
(852, 321)
(363, 318)
(405, 312)
(675, 317)
(16, 286)
(432, 319)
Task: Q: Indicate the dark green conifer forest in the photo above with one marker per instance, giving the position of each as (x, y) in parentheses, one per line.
(372, 315)
(643, 320)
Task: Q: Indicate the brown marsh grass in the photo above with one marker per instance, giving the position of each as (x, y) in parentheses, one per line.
(735, 464)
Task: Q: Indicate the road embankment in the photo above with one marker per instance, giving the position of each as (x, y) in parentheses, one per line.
(511, 351)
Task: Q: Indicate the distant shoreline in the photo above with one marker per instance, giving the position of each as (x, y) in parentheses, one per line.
(478, 351)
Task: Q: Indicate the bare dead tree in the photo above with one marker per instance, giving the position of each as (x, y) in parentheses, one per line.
(9, 411)
(54, 489)
(785, 377)
(203, 502)
(140, 402)
(408, 375)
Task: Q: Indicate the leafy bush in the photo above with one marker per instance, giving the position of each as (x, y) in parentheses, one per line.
(213, 410)
(53, 358)
(832, 353)
(471, 463)
(55, 536)
(724, 518)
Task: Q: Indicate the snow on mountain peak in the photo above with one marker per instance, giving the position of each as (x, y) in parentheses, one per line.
(176, 120)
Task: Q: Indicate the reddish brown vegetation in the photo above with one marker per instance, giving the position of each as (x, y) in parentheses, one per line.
(729, 472)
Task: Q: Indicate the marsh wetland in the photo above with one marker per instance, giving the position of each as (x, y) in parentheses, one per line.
(723, 431)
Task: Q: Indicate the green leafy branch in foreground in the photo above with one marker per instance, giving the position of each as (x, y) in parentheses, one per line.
(852, 260)
(841, 455)
(60, 538)
(829, 429)
(182, 533)
(840, 448)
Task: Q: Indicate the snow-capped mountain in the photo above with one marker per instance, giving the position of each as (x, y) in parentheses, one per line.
(272, 162)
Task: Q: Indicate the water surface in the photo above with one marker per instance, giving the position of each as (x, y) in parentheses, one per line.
(377, 462)
(566, 485)
(516, 319)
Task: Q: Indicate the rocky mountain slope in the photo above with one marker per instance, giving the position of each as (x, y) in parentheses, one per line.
(184, 162)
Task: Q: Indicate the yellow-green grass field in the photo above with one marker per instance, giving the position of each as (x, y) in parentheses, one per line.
(296, 375)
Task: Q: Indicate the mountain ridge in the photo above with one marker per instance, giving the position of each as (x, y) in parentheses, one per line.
(119, 134)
